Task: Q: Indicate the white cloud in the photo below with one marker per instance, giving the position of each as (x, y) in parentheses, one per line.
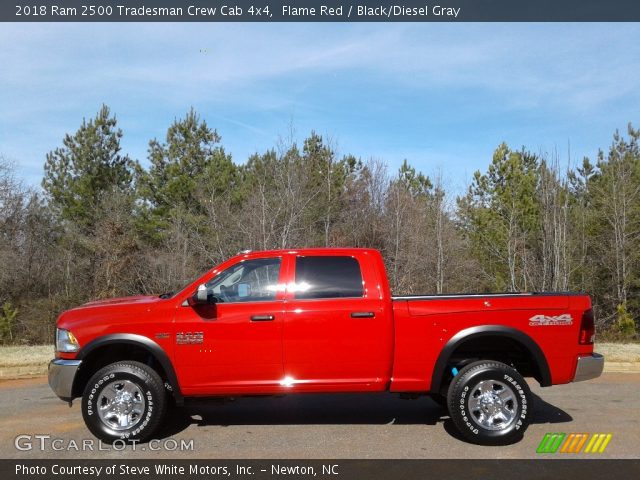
(53, 74)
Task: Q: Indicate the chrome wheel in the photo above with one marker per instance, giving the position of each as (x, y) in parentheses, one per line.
(121, 405)
(493, 405)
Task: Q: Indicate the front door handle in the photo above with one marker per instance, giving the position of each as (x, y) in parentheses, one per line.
(262, 318)
(362, 314)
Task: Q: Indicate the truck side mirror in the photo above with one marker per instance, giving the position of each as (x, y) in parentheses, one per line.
(202, 297)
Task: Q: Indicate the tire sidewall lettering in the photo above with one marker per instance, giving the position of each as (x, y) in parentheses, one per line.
(465, 420)
(522, 404)
(90, 403)
(96, 388)
(463, 412)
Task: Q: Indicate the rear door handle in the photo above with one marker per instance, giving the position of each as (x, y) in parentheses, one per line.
(262, 318)
(362, 314)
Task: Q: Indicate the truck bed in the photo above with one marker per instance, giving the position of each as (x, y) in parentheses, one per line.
(439, 296)
(550, 321)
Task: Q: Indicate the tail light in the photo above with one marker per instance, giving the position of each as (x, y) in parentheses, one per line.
(587, 328)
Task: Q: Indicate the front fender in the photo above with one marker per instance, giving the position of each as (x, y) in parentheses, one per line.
(140, 341)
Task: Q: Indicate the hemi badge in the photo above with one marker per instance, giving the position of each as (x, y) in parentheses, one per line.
(162, 336)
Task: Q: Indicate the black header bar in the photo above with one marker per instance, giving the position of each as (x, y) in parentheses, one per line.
(319, 11)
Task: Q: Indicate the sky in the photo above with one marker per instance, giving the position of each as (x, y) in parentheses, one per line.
(442, 96)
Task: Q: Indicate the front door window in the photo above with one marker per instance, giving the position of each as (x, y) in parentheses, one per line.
(247, 281)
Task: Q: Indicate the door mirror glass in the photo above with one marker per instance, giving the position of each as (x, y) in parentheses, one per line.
(202, 296)
(244, 290)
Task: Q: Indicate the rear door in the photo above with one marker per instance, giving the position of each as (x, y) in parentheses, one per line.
(336, 334)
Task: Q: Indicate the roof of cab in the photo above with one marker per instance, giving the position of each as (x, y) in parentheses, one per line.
(306, 251)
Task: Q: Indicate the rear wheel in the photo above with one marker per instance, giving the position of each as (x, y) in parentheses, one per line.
(124, 400)
(490, 403)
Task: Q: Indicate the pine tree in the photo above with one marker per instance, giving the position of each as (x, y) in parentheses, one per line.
(87, 167)
(500, 216)
(189, 160)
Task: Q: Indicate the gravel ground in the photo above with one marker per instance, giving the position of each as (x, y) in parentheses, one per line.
(302, 426)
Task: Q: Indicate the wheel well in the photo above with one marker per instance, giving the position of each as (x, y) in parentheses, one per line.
(500, 348)
(111, 353)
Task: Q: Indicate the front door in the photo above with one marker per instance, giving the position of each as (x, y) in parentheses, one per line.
(234, 345)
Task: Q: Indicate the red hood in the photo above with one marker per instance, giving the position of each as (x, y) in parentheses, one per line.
(137, 299)
(94, 318)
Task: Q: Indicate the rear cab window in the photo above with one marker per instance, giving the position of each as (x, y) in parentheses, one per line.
(318, 277)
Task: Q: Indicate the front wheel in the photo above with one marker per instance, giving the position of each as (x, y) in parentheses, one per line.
(124, 400)
(490, 403)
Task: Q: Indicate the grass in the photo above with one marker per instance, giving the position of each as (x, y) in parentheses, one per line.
(619, 352)
(25, 356)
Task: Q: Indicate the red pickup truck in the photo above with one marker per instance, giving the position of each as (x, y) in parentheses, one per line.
(319, 320)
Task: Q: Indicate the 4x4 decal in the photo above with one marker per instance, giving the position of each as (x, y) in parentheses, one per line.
(547, 320)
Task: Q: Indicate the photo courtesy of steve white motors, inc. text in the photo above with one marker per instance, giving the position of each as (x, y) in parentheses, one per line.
(160, 469)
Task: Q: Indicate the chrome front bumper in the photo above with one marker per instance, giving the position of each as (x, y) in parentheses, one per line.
(589, 367)
(61, 376)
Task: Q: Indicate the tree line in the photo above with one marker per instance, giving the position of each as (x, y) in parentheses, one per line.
(104, 225)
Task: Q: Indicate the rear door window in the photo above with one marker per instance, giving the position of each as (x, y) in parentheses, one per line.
(328, 277)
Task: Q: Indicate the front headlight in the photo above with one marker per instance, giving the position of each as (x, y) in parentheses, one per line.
(66, 342)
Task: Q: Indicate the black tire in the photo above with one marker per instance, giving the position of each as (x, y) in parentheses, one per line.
(490, 403)
(142, 399)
